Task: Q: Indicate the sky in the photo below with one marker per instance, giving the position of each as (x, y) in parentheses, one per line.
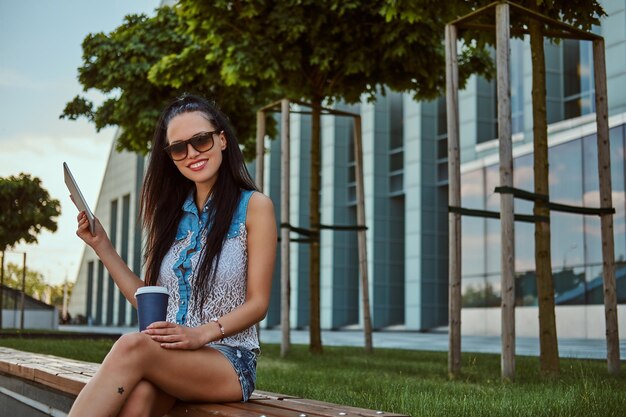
(40, 52)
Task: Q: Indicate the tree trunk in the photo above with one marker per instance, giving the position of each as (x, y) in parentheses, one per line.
(606, 201)
(361, 236)
(285, 286)
(548, 344)
(1, 288)
(314, 222)
(507, 223)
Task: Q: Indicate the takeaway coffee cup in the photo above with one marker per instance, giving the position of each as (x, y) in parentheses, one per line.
(151, 305)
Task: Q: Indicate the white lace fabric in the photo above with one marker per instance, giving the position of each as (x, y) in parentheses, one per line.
(229, 286)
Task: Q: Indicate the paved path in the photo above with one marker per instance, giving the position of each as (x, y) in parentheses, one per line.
(436, 341)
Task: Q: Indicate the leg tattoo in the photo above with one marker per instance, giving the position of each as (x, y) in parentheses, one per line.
(120, 390)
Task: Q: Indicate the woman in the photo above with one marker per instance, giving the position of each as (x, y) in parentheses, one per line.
(211, 243)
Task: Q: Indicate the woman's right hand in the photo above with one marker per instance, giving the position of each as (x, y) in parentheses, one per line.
(99, 240)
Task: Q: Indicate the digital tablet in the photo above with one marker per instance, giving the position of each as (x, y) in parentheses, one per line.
(77, 198)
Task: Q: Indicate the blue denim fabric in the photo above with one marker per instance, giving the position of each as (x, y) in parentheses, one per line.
(244, 362)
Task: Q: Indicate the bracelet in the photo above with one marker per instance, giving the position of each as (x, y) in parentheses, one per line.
(221, 328)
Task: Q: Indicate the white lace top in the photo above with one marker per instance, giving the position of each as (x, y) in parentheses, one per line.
(179, 271)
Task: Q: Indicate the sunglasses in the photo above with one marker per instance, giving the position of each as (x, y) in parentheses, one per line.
(201, 142)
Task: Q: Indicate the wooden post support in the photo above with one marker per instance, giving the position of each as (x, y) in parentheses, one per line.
(260, 149)
(362, 238)
(285, 292)
(23, 294)
(1, 288)
(454, 199)
(606, 220)
(507, 232)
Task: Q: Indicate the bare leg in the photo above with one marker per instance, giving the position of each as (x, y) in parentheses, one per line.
(190, 375)
(146, 400)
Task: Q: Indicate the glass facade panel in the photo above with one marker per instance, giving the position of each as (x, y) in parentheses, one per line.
(442, 121)
(523, 178)
(472, 246)
(396, 161)
(618, 156)
(472, 292)
(472, 189)
(517, 85)
(591, 198)
(578, 88)
(566, 180)
(492, 226)
(618, 178)
(486, 106)
(442, 149)
(395, 183)
(493, 291)
(473, 228)
(576, 239)
(525, 288)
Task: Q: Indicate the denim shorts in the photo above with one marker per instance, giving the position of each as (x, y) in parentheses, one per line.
(244, 363)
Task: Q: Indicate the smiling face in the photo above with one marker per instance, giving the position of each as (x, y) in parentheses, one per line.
(200, 167)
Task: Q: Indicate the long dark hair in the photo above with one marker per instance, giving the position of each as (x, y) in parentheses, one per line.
(165, 190)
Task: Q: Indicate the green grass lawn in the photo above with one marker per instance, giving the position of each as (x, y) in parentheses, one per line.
(411, 382)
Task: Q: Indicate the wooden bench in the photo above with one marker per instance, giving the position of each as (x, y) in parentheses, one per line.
(66, 377)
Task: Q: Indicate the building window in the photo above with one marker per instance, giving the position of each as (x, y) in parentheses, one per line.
(442, 141)
(351, 166)
(396, 146)
(100, 294)
(578, 88)
(110, 285)
(89, 306)
(516, 69)
(121, 312)
(487, 110)
(576, 247)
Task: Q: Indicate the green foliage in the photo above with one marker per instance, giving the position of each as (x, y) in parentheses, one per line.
(36, 286)
(582, 14)
(123, 65)
(25, 210)
(334, 49)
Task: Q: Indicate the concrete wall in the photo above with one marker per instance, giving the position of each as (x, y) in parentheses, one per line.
(33, 319)
(585, 322)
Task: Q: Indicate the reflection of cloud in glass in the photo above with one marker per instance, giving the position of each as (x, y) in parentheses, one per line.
(471, 189)
(523, 176)
(568, 201)
(592, 198)
(522, 265)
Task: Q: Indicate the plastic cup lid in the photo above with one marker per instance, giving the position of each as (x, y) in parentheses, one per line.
(151, 289)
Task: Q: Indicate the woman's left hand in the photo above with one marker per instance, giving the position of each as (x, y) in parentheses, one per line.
(174, 336)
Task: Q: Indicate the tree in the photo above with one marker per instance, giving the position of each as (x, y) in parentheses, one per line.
(581, 14)
(25, 210)
(122, 64)
(35, 285)
(325, 51)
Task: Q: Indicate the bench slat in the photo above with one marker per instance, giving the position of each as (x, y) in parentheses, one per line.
(330, 409)
(218, 410)
(70, 376)
(225, 410)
